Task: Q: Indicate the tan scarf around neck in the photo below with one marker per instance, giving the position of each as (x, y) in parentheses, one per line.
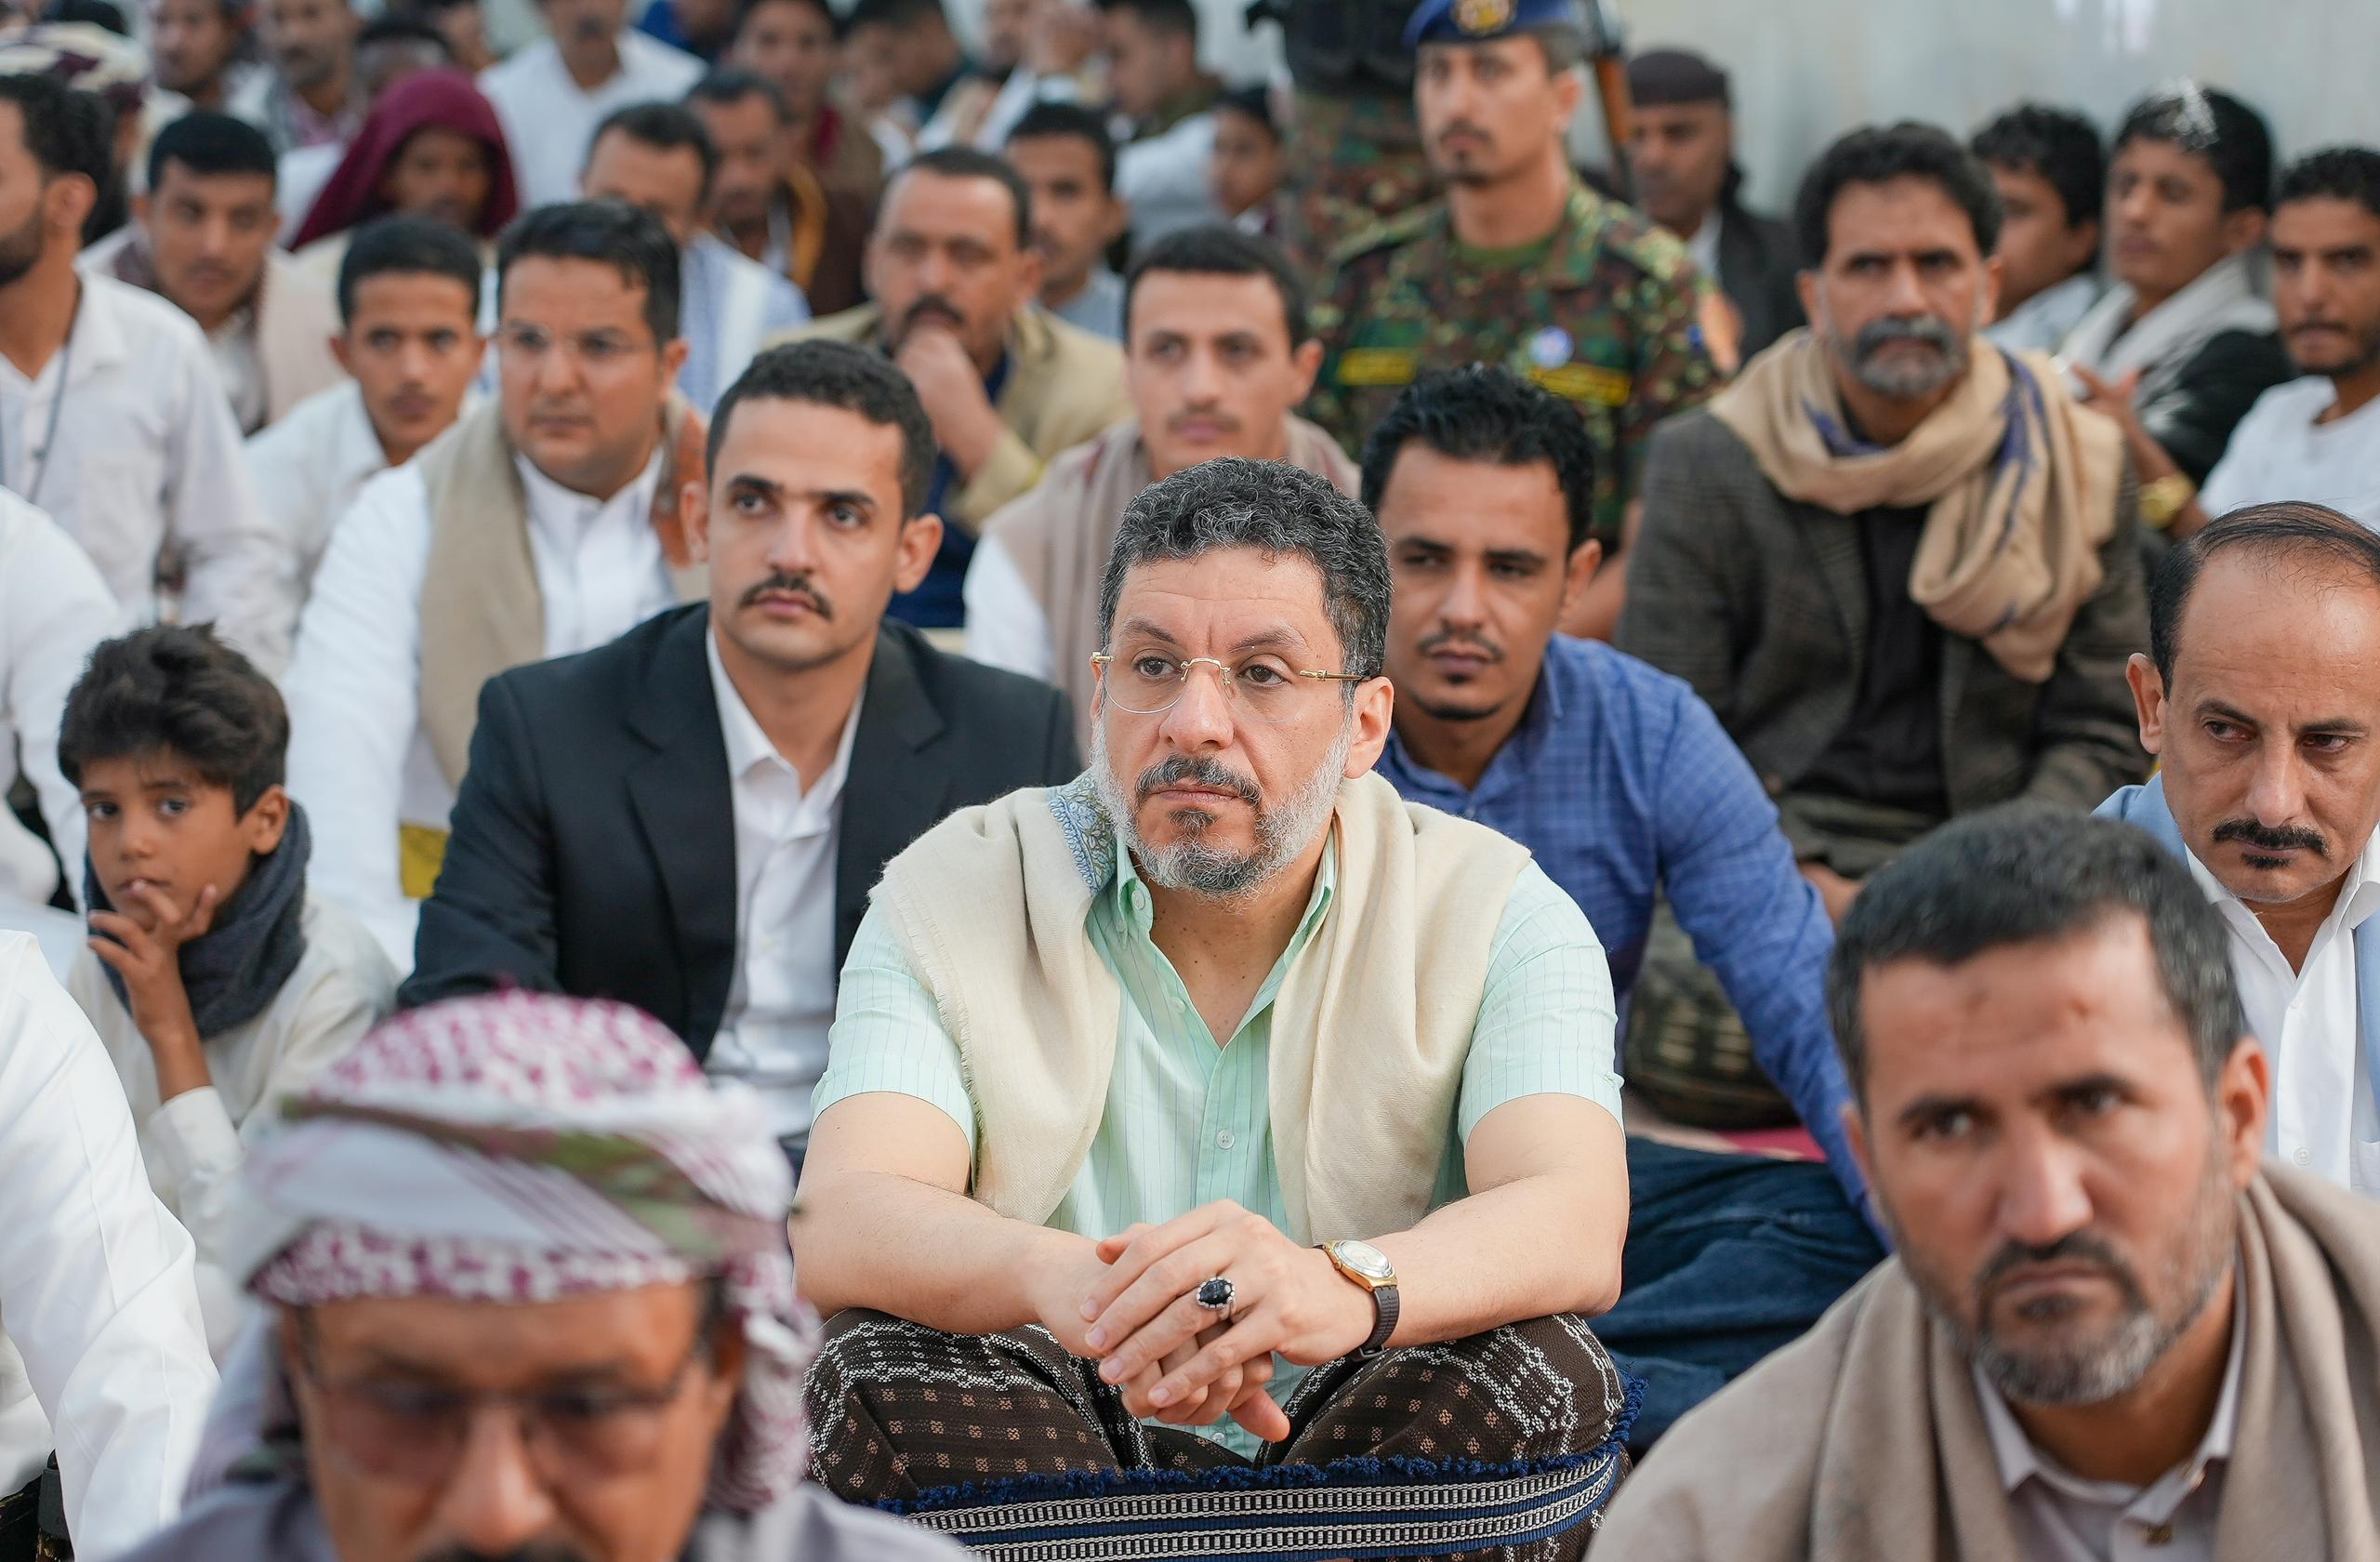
(2020, 482)
(481, 611)
(1371, 1025)
(1863, 1439)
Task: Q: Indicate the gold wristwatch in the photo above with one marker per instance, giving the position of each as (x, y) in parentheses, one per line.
(1369, 1267)
(2164, 498)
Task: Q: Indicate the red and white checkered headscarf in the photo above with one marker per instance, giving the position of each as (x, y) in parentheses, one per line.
(522, 1148)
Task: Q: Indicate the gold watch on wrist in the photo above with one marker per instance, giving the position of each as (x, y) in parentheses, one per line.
(1369, 1267)
(2166, 498)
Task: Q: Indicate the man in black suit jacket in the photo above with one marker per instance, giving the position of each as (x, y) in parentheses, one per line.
(595, 842)
(1681, 154)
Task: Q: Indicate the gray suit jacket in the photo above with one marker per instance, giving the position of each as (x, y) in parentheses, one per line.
(1762, 604)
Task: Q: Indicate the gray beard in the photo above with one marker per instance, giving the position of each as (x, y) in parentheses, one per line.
(1191, 865)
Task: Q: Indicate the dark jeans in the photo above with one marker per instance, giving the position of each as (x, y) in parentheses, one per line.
(1728, 1257)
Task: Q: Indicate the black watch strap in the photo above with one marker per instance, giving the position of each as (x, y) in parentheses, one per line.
(1385, 1307)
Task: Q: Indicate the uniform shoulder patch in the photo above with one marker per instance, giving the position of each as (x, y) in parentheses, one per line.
(1652, 249)
(1405, 227)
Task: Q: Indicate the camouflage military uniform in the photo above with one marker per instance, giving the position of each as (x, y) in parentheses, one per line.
(1352, 162)
(1608, 318)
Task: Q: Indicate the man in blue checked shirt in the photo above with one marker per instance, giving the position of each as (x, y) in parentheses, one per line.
(1623, 785)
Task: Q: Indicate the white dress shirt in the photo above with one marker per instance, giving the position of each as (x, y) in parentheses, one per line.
(147, 454)
(548, 121)
(54, 607)
(1164, 177)
(2041, 321)
(2279, 452)
(359, 757)
(194, 1144)
(1006, 624)
(2325, 1119)
(103, 1341)
(773, 1036)
(729, 305)
(2059, 1517)
(1702, 247)
(241, 368)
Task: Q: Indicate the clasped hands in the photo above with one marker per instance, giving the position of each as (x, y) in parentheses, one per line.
(1130, 1304)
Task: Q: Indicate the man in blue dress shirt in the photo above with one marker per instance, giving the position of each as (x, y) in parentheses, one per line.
(1623, 785)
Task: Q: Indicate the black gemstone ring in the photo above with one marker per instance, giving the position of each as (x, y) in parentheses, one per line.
(1215, 1295)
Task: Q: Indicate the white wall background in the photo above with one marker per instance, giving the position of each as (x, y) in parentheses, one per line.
(1807, 70)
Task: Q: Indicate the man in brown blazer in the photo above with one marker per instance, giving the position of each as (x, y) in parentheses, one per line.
(1007, 385)
(1901, 565)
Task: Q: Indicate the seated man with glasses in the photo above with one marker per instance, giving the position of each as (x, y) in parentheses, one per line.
(1217, 1069)
(527, 1296)
(546, 523)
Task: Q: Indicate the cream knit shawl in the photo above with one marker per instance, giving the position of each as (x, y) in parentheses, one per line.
(1370, 1026)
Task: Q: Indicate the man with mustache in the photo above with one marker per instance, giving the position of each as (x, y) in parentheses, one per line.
(1218, 1066)
(2317, 438)
(553, 95)
(592, 1350)
(1217, 353)
(2256, 698)
(1521, 264)
(1625, 789)
(689, 818)
(955, 277)
(202, 238)
(311, 96)
(543, 523)
(2109, 1332)
(1900, 563)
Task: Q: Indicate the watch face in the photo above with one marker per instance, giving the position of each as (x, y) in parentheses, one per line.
(1364, 1259)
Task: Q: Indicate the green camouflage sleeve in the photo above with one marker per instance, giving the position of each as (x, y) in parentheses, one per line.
(1675, 371)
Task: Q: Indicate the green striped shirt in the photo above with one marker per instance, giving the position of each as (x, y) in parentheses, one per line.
(1189, 1123)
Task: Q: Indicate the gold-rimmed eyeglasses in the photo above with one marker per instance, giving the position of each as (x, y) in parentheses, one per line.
(1146, 682)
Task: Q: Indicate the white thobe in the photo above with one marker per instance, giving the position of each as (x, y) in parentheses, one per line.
(549, 120)
(359, 759)
(54, 607)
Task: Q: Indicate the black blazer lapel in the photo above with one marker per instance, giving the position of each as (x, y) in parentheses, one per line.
(890, 799)
(682, 795)
(1834, 541)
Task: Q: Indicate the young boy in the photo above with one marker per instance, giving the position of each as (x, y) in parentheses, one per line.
(216, 983)
(1245, 169)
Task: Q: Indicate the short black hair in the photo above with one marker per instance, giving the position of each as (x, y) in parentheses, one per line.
(398, 244)
(1486, 412)
(1051, 121)
(728, 86)
(1177, 19)
(835, 22)
(210, 145)
(2339, 173)
(1878, 153)
(66, 129)
(403, 27)
(1250, 100)
(1280, 510)
(2030, 873)
(435, 7)
(966, 162)
(840, 375)
(1219, 249)
(662, 127)
(897, 14)
(629, 240)
(2211, 123)
(2305, 534)
(2057, 146)
(177, 689)
(103, 14)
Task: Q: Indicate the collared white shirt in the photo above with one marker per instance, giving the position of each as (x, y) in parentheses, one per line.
(2044, 321)
(240, 367)
(1703, 246)
(146, 454)
(54, 607)
(359, 757)
(309, 467)
(104, 1359)
(1164, 177)
(781, 1003)
(1006, 624)
(2325, 1119)
(2280, 452)
(2059, 1517)
(548, 121)
(729, 305)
